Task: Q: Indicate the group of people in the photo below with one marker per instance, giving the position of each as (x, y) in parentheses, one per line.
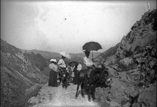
(55, 68)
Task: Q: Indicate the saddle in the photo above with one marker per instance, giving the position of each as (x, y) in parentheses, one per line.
(89, 70)
(82, 74)
(85, 72)
(62, 71)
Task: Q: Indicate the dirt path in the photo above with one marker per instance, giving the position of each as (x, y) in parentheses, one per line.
(57, 96)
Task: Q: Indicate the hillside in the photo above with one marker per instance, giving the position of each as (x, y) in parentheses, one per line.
(132, 66)
(48, 55)
(21, 75)
(45, 54)
(111, 51)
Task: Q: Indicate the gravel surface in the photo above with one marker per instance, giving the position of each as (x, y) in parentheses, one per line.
(57, 96)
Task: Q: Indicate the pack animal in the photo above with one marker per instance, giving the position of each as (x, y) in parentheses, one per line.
(98, 78)
(63, 77)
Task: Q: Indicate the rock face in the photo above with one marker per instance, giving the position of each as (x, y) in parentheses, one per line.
(21, 75)
(108, 55)
(133, 67)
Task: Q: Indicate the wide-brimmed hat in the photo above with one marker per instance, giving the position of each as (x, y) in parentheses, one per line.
(53, 60)
(65, 54)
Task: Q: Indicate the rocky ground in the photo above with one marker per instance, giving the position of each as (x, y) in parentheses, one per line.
(126, 92)
(57, 96)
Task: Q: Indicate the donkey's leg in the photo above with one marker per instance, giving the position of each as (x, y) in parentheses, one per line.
(63, 84)
(60, 79)
(82, 90)
(93, 92)
(89, 92)
(76, 95)
(66, 83)
(67, 80)
(89, 96)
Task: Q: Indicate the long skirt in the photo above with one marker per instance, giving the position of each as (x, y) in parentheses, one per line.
(53, 78)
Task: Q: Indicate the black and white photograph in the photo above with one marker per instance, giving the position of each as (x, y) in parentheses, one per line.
(78, 53)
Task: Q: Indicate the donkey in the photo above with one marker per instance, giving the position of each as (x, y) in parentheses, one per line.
(98, 78)
(63, 77)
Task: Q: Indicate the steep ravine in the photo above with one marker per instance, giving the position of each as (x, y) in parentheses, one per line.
(21, 75)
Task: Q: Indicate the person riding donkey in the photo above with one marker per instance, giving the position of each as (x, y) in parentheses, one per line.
(62, 68)
(61, 63)
(88, 62)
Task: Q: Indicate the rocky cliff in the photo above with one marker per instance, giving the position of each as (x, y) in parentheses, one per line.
(133, 67)
(21, 75)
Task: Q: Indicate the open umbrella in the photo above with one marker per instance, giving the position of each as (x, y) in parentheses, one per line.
(65, 54)
(92, 46)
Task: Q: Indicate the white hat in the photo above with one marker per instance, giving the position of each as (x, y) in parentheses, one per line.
(65, 54)
(53, 60)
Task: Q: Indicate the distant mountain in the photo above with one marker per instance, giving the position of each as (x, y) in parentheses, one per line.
(81, 55)
(45, 54)
(21, 75)
(49, 55)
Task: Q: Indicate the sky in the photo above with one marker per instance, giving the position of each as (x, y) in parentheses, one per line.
(57, 26)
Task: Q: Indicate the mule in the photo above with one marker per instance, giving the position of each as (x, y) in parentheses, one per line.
(70, 72)
(82, 80)
(98, 78)
(63, 77)
(73, 66)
